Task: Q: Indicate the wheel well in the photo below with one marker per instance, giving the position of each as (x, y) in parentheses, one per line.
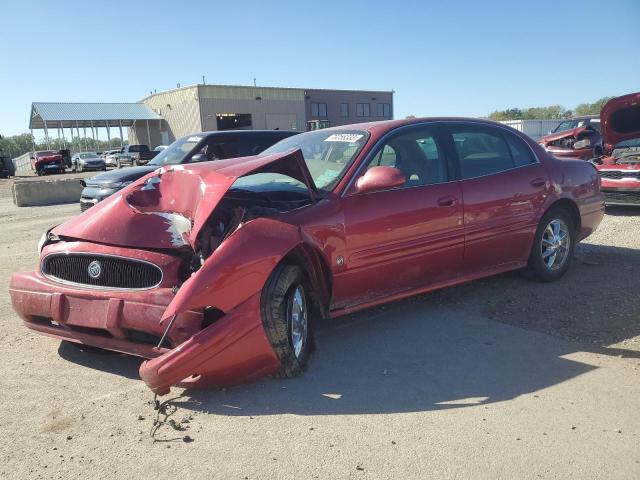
(570, 207)
(317, 271)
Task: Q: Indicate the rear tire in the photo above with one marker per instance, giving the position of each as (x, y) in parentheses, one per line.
(553, 246)
(288, 318)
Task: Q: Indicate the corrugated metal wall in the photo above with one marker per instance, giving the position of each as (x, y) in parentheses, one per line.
(270, 108)
(180, 110)
(534, 128)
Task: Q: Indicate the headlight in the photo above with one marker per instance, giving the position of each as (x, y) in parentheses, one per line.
(47, 238)
(43, 241)
(582, 143)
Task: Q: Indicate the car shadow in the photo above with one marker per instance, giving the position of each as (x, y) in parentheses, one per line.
(405, 358)
(475, 344)
(110, 362)
(622, 211)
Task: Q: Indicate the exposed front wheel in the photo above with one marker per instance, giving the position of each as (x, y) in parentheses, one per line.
(288, 317)
(553, 246)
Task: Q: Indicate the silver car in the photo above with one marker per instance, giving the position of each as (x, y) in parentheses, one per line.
(87, 161)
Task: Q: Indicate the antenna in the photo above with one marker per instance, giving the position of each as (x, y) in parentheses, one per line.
(254, 81)
(203, 82)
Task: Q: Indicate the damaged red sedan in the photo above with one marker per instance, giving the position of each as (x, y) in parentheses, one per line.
(578, 137)
(218, 272)
(619, 167)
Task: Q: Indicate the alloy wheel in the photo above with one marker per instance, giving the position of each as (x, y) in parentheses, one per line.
(297, 320)
(555, 244)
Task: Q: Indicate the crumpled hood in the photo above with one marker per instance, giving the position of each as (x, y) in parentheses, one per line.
(167, 208)
(620, 120)
(564, 134)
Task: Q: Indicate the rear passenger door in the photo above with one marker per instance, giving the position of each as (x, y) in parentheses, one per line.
(503, 188)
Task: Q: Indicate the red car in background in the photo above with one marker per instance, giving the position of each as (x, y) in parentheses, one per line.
(48, 161)
(619, 168)
(218, 272)
(578, 137)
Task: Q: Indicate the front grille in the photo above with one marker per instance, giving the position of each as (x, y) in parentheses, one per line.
(108, 271)
(626, 198)
(618, 174)
(85, 206)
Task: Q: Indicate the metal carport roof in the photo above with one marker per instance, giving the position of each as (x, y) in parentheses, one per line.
(74, 115)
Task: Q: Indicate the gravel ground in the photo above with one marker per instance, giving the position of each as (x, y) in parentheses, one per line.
(500, 378)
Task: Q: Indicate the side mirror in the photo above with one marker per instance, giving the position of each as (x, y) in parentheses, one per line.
(198, 157)
(380, 178)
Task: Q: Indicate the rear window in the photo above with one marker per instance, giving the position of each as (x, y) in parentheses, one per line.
(138, 148)
(481, 152)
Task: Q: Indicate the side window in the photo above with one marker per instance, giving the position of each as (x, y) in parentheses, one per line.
(417, 154)
(520, 152)
(481, 151)
(218, 149)
(385, 157)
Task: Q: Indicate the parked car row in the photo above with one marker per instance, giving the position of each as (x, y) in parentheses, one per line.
(57, 161)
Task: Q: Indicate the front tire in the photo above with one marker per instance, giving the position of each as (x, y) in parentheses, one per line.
(288, 318)
(553, 246)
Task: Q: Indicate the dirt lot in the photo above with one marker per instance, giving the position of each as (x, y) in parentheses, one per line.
(501, 378)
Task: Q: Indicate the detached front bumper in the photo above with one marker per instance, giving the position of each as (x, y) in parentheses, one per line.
(581, 153)
(232, 350)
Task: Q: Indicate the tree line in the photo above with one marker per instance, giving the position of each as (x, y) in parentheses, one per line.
(16, 145)
(552, 112)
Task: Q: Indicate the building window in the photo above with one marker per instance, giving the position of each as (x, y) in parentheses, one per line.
(344, 109)
(384, 109)
(362, 110)
(318, 109)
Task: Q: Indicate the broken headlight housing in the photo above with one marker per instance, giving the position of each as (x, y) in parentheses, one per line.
(584, 143)
(46, 238)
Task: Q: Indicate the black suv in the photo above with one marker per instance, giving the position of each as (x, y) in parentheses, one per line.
(199, 147)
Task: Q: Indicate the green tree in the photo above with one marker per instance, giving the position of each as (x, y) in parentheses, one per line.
(592, 108)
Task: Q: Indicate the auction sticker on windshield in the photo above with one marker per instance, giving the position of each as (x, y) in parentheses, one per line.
(344, 137)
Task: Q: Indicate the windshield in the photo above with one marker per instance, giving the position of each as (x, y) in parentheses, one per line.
(46, 153)
(328, 153)
(177, 152)
(88, 155)
(566, 125)
(577, 122)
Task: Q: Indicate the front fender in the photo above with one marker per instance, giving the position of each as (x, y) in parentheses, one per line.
(238, 268)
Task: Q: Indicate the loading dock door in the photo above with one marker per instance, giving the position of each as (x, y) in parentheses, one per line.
(234, 121)
(282, 121)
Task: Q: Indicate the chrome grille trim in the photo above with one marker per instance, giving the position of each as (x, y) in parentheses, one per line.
(122, 270)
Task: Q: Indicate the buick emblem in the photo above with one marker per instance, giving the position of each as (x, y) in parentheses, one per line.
(94, 269)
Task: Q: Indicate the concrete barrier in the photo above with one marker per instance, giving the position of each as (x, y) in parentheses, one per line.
(28, 193)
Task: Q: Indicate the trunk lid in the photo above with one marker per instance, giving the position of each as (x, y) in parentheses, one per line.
(167, 208)
(620, 120)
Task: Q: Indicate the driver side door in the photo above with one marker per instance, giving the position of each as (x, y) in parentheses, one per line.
(408, 237)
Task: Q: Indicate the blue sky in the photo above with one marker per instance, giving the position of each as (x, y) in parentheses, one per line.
(466, 57)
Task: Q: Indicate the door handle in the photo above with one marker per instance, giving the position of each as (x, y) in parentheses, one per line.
(447, 201)
(538, 182)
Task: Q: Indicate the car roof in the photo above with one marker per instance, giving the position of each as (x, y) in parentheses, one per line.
(385, 125)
